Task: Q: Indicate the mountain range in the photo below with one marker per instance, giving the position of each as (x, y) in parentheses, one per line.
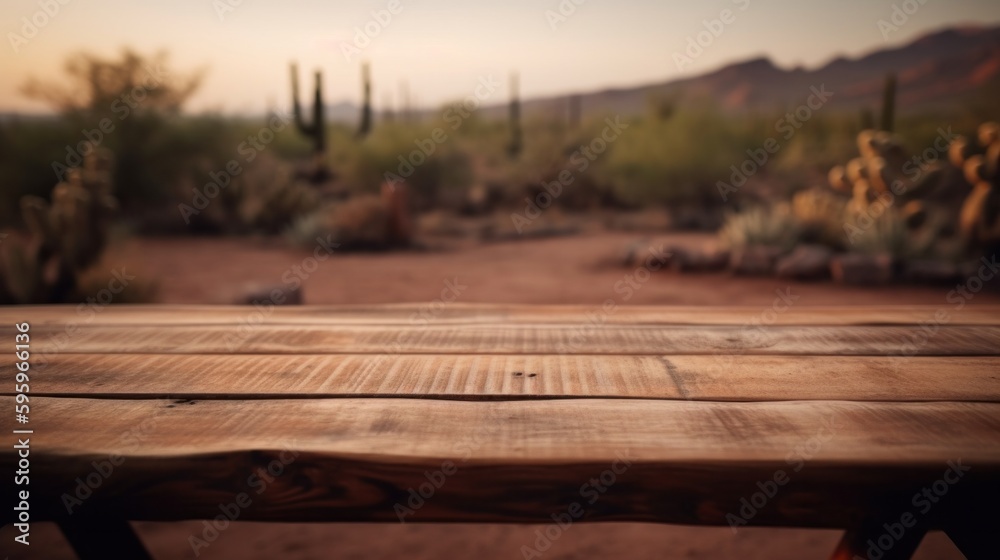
(937, 71)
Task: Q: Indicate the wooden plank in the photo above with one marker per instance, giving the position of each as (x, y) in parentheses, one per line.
(461, 313)
(586, 338)
(718, 378)
(531, 432)
(354, 459)
(270, 376)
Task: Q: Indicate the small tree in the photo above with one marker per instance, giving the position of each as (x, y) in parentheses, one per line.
(122, 104)
(98, 86)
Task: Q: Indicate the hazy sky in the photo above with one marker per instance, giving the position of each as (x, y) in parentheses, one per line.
(443, 47)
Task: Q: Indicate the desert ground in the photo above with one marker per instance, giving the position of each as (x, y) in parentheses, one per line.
(582, 269)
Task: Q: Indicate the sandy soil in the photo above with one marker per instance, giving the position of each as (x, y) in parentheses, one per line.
(578, 269)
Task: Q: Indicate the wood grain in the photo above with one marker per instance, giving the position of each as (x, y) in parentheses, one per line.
(529, 402)
(482, 313)
(712, 378)
(354, 458)
(506, 338)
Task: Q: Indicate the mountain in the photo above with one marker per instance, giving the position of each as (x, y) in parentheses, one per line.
(936, 71)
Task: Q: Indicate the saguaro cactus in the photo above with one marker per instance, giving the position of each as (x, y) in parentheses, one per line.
(388, 113)
(889, 103)
(575, 110)
(366, 108)
(515, 145)
(317, 130)
(979, 220)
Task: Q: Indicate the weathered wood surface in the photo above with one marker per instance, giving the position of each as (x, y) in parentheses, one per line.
(583, 338)
(459, 313)
(389, 445)
(859, 407)
(706, 378)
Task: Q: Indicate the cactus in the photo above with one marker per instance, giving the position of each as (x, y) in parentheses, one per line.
(317, 130)
(366, 108)
(867, 119)
(889, 103)
(979, 221)
(388, 114)
(516, 145)
(68, 235)
(575, 111)
(877, 174)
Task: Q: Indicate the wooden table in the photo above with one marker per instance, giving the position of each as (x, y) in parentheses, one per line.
(784, 416)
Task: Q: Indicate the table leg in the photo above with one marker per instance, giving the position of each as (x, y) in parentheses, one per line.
(99, 539)
(975, 535)
(879, 538)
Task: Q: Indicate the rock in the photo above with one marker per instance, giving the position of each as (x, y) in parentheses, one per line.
(631, 255)
(399, 225)
(755, 260)
(272, 295)
(699, 260)
(853, 268)
(806, 262)
(930, 271)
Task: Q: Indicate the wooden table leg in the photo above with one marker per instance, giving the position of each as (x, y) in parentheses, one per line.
(880, 538)
(99, 539)
(975, 534)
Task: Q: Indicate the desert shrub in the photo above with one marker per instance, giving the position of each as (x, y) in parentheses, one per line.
(820, 216)
(657, 161)
(773, 226)
(889, 235)
(436, 180)
(358, 223)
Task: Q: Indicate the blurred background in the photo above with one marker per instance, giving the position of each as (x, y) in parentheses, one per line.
(208, 147)
(251, 152)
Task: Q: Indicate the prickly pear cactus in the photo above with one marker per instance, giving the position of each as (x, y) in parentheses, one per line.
(883, 172)
(68, 235)
(979, 220)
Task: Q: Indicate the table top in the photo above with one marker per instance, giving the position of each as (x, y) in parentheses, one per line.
(508, 412)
